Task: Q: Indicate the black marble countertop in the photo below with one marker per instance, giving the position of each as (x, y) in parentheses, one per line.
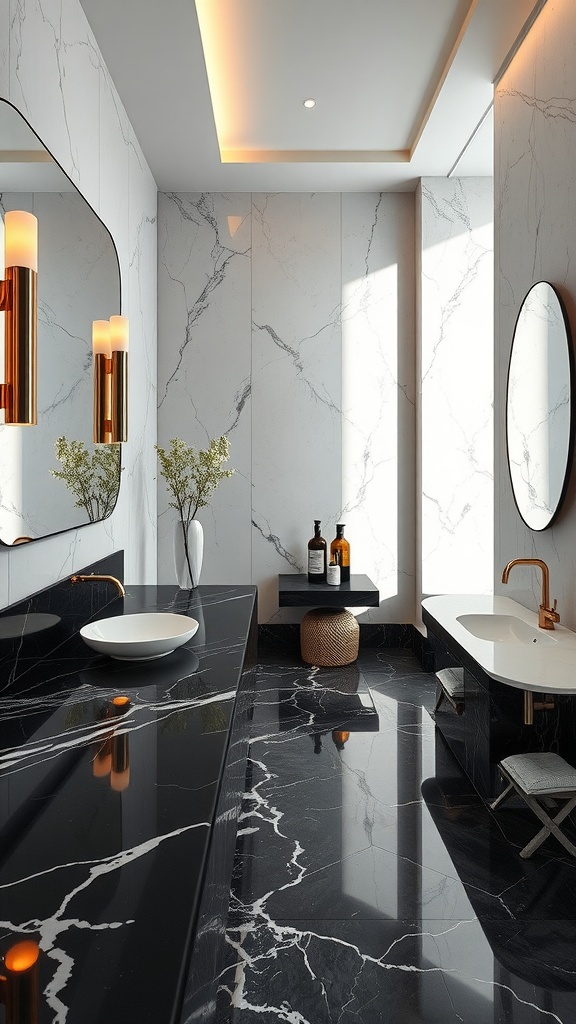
(294, 590)
(106, 810)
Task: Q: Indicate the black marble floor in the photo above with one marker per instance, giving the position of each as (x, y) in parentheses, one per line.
(371, 884)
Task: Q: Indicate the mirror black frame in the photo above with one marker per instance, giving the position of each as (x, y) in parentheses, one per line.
(114, 251)
(570, 445)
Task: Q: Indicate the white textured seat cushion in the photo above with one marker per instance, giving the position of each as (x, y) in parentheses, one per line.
(541, 773)
(452, 681)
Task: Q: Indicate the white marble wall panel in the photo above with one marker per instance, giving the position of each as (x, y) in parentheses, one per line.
(297, 454)
(204, 371)
(456, 385)
(294, 336)
(535, 154)
(51, 43)
(378, 400)
(137, 500)
(54, 74)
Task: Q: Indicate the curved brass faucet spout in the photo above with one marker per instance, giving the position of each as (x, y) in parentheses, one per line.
(94, 576)
(546, 616)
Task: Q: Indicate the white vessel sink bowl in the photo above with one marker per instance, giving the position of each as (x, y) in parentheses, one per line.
(504, 629)
(141, 636)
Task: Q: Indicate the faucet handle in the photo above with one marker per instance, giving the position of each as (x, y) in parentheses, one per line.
(551, 614)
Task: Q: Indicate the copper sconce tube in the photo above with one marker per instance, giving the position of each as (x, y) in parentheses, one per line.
(18, 299)
(119, 397)
(102, 432)
(110, 383)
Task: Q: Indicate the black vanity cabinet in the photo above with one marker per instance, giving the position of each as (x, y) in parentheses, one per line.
(492, 723)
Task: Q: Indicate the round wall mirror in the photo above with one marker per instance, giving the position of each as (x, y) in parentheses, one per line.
(539, 406)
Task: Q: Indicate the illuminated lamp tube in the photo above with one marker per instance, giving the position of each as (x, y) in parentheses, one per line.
(110, 352)
(18, 300)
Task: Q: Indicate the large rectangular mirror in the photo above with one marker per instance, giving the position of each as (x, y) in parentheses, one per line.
(78, 282)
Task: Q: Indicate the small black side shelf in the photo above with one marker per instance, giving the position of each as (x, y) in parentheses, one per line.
(295, 591)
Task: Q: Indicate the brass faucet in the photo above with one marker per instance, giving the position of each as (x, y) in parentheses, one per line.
(546, 616)
(94, 576)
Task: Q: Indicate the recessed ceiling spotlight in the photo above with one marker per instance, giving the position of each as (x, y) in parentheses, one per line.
(310, 103)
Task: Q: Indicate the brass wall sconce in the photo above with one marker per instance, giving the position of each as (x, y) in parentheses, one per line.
(110, 352)
(20, 982)
(19, 303)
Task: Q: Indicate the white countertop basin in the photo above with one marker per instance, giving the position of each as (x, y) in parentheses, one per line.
(141, 636)
(504, 629)
(504, 638)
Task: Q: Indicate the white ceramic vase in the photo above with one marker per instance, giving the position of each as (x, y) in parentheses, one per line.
(188, 553)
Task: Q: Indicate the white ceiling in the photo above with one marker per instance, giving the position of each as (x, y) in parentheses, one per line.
(402, 88)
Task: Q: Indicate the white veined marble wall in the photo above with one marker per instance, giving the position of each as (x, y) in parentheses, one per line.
(287, 322)
(456, 427)
(535, 150)
(51, 70)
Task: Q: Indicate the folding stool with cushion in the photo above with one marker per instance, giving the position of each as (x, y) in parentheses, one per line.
(450, 686)
(546, 782)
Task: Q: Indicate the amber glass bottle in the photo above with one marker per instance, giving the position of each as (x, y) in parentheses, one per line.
(340, 552)
(317, 556)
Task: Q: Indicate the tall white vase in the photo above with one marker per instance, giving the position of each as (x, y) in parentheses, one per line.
(188, 554)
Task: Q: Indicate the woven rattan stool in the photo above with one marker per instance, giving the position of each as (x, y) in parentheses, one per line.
(329, 636)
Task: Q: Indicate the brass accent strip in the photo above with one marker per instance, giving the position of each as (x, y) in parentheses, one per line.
(18, 298)
(531, 705)
(119, 397)
(101, 430)
(528, 707)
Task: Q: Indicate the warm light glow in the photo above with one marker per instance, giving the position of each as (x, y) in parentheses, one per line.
(234, 223)
(20, 239)
(119, 781)
(101, 338)
(310, 103)
(120, 701)
(22, 956)
(119, 333)
(102, 763)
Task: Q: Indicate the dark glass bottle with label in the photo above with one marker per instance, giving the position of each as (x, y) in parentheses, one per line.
(317, 556)
(340, 552)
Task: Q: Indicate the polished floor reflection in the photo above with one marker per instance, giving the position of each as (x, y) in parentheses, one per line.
(371, 884)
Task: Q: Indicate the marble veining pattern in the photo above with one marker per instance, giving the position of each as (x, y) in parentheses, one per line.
(54, 74)
(457, 348)
(286, 320)
(535, 148)
(371, 883)
(105, 815)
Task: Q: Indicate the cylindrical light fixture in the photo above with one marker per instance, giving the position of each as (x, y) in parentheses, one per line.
(102, 365)
(119, 338)
(110, 351)
(21, 982)
(19, 302)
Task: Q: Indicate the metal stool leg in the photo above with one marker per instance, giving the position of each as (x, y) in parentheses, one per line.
(550, 826)
(510, 789)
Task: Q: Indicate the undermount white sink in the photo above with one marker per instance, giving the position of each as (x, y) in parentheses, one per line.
(141, 636)
(504, 639)
(503, 629)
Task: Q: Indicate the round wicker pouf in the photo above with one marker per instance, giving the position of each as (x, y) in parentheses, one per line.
(329, 636)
